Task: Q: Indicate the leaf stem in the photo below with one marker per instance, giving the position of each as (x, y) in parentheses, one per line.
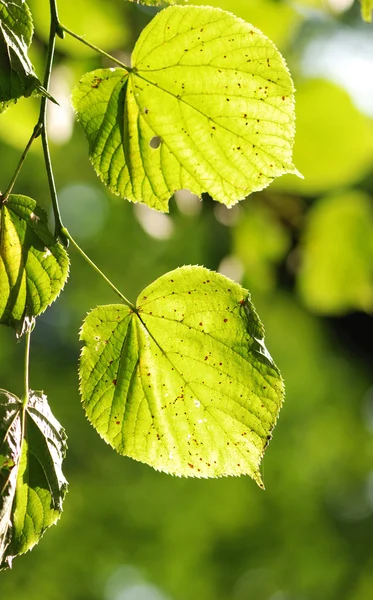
(9, 189)
(55, 19)
(95, 48)
(27, 369)
(68, 236)
(55, 29)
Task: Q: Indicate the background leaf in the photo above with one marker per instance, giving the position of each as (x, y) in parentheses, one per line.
(33, 487)
(366, 10)
(336, 274)
(186, 385)
(107, 28)
(33, 266)
(208, 106)
(334, 142)
(17, 76)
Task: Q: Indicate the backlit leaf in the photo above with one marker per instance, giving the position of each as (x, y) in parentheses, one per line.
(277, 20)
(33, 266)
(32, 485)
(208, 106)
(186, 384)
(17, 76)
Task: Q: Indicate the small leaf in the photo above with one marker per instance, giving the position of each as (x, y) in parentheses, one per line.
(32, 485)
(186, 385)
(366, 10)
(17, 76)
(208, 106)
(33, 266)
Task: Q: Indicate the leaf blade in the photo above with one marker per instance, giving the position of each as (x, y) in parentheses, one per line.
(190, 391)
(17, 75)
(208, 106)
(32, 495)
(33, 266)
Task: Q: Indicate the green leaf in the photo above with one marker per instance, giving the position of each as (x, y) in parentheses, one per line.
(208, 106)
(277, 20)
(33, 266)
(32, 485)
(336, 273)
(186, 384)
(17, 76)
(366, 10)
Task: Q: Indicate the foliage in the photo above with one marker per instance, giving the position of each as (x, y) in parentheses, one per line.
(147, 534)
(187, 396)
(200, 395)
(32, 484)
(142, 123)
(33, 266)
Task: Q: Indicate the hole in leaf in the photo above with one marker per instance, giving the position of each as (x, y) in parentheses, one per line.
(155, 142)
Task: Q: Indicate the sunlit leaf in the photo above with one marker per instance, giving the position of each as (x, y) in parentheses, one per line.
(366, 10)
(32, 485)
(186, 384)
(277, 20)
(336, 274)
(208, 106)
(17, 76)
(33, 266)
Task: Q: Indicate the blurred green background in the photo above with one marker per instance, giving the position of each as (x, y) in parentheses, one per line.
(304, 248)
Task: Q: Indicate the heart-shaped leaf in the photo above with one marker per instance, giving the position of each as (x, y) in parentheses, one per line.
(33, 266)
(17, 76)
(208, 106)
(32, 485)
(186, 383)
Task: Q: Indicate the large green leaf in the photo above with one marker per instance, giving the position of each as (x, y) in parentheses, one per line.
(33, 266)
(208, 106)
(32, 485)
(17, 76)
(186, 383)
